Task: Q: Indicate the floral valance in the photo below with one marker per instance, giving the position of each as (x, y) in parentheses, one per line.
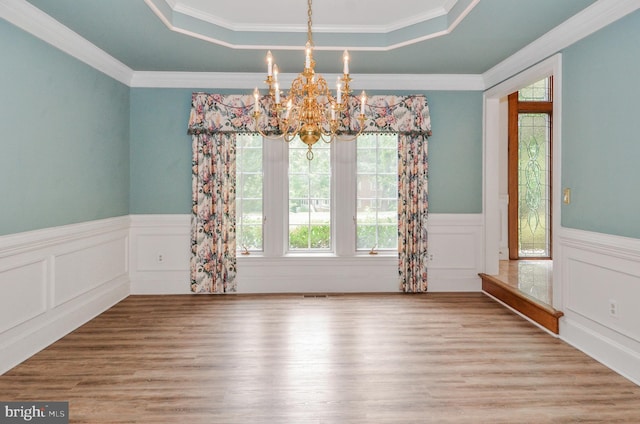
(212, 113)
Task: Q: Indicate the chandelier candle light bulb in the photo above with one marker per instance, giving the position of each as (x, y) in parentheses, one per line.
(269, 63)
(345, 59)
(312, 112)
(256, 97)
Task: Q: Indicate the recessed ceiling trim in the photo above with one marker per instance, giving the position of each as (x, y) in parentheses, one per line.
(181, 8)
(183, 19)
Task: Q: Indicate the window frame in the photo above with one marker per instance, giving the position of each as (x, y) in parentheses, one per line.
(344, 203)
(515, 108)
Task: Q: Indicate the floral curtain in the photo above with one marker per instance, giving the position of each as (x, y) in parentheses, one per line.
(214, 121)
(413, 208)
(213, 222)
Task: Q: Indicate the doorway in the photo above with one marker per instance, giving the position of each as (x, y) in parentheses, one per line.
(530, 188)
(495, 172)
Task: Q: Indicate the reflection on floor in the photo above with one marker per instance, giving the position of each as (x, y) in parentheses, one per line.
(533, 278)
(525, 286)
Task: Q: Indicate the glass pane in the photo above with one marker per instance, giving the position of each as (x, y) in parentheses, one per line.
(387, 236)
(251, 237)
(320, 187)
(252, 210)
(321, 162)
(367, 141)
(388, 141)
(251, 160)
(388, 161)
(534, 191)
(320, 237)
(366, 235)
(298, 186)
(387, 212)
(298, 162)
(309, 197)
(537, 92)
(249, 188)
(366, 160)
(377, 192)
(298, 237)
(387, 186)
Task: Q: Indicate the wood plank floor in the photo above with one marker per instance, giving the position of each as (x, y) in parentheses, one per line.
(434, 358)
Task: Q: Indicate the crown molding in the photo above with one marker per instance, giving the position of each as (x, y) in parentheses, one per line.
(37, 23)
(247, 81)
(583, 24)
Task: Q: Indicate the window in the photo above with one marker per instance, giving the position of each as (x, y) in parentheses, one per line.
(343, 202)
(377, 192)
(309, 197)
(249, 188)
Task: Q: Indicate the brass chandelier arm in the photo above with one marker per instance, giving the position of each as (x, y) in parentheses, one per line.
(309, 110)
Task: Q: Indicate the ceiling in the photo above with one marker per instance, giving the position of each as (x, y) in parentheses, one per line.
(400, 37)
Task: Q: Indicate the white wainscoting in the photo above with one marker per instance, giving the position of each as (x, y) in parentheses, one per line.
(160, 261)
(56, 279)
(597, 270)
(160, 252)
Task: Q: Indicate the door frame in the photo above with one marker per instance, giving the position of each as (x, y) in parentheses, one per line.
(493, 122)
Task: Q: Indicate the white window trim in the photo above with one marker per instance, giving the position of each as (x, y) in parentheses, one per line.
(343, 211)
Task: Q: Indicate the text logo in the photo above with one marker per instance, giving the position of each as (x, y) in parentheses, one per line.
(34, 412)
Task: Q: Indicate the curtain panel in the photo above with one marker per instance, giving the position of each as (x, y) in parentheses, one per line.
(213, 123)
(213, 219)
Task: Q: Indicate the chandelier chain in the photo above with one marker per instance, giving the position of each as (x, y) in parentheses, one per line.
(309, 35)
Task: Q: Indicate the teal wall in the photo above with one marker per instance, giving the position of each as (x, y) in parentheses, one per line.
(64, 137)
(601, 130)
(455, 152)
(161, 151)
(77, 145)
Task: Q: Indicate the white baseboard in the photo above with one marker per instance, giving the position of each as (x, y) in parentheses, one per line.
(160, 261)
(54, 280)
(619, 357)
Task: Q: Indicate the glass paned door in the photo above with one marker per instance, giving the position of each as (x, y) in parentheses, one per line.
(534, 190)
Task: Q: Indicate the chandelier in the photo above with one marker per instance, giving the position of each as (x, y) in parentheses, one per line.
(309, 110)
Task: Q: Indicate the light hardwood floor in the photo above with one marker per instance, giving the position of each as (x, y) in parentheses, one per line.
(435, 358)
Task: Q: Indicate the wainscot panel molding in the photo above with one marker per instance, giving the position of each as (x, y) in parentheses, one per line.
(56, 279)
(160, 246)
(600, 289)
(160, 253)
